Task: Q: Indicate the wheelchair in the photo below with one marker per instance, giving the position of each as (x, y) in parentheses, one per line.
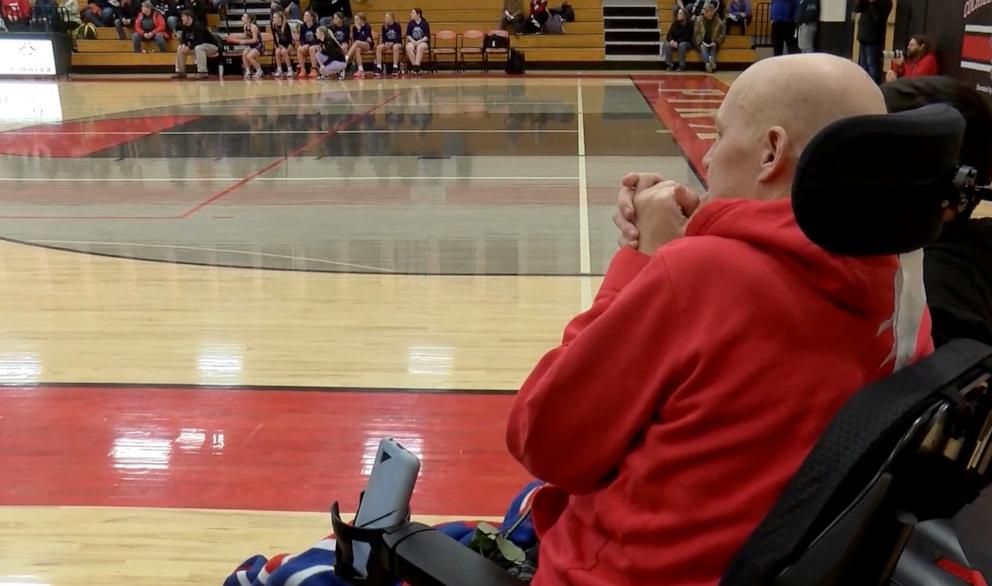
(901, 455)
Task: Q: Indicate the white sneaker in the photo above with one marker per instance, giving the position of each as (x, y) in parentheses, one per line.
(258, 74)
(278, 73)
(248, 75)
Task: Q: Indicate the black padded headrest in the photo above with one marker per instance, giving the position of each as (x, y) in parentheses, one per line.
(873, 185)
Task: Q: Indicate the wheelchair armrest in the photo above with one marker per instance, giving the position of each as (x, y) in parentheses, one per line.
(422, 556)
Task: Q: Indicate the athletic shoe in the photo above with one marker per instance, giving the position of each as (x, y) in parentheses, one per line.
(277, 74)
(178, 75)
(201, 76)
(709, 67)
(247, 75)
(669, 68)
(360, 73)
(680, 69)
(258, 74)
(342, 75)
(322, 78)
(313, 74)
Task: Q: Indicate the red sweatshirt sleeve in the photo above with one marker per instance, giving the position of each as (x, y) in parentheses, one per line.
(581, 407)
(159, 23)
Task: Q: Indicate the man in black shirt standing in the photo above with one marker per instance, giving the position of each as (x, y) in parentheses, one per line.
(871, 34)
(197, 40)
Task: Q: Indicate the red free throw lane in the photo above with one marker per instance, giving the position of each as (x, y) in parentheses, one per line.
(248, 449)
(669, 94)
(79, 139)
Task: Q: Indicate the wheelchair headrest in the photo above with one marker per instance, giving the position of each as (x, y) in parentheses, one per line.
(873, 185)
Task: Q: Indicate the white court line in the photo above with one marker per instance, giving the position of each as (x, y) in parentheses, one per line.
(204, 249)
(585, 262)
(335, 178)
(695, 100)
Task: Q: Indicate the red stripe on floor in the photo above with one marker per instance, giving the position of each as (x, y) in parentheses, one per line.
(73, 139)
(248, 449)
(686, 127)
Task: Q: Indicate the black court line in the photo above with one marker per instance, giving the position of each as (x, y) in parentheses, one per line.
(257, 388)
(284, 269)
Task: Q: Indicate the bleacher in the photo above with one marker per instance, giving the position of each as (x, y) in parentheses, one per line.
(583, 45)
(736, 51)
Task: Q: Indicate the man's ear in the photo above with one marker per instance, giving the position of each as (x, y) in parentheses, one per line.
(775, 154)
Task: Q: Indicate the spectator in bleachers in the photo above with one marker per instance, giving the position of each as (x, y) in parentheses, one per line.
(361, 40)
(808, 19)
(149, 26)
(418, 39)
(679, 39)
(783, 17)
(308, 44)
(71, 8)
(322, 9)
(871, 34)
(196, 39)
(282, 40)
(920, 60)
(739, 13)
(679, 406)
(538, 16)
(709, 33)
(170, 12)
(198, 8)
(513, 16)
(390, 39)
(290, 8)
(331, 56)
(251, 40)
(45, 10)
(124, 13)
(699, 6)
(99, 13)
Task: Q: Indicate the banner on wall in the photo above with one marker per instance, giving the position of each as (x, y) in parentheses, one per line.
(976, 44)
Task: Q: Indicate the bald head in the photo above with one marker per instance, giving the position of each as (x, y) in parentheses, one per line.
(803, 94)
(771, 113)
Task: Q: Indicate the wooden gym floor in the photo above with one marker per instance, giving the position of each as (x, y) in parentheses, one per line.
(220, 295)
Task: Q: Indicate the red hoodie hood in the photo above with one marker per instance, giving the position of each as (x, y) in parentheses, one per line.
(771, 227)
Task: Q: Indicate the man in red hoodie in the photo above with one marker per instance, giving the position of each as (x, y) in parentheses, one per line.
(721, 343)
(920, 60)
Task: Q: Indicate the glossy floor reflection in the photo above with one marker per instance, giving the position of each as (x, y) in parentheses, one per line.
(219, 296)
(387, 177)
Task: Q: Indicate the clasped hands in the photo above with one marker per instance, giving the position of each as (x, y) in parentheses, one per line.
(652, 211)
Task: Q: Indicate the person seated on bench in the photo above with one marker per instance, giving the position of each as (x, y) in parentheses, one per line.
(196, 39)
(721, 343)
(418, 39)
(708, 34)
(512, 19)
(251, 40)
(341, 32)
(390, 39)
(149, 25)
(739, 13)
(282, 39)
(679, 39)
(308, 45)
(361, 35)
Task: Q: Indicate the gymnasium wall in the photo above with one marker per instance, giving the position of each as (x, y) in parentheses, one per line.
(962, 30)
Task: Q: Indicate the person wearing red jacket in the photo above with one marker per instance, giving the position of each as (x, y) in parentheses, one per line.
(149, 25)
(720, 344)
(920, 60)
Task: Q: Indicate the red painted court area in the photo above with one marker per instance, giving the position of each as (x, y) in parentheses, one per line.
(248, 448)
